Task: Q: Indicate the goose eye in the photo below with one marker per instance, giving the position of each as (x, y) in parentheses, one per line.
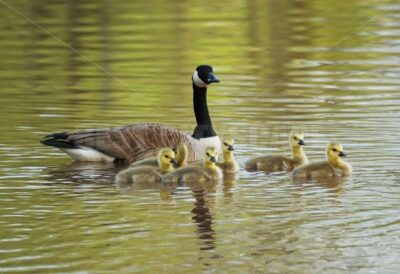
(295, 138)
(166, 156)
(226, 144)
(208, 154)
(334, 149)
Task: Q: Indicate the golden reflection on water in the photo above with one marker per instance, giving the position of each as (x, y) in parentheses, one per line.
(329, 68)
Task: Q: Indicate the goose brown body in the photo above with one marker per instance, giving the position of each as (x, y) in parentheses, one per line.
(334, 166)
(275, 163)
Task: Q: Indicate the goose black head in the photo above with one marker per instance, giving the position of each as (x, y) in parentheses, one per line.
(203, 76)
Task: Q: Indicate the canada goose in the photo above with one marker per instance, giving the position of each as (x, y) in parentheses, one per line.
(334, 166)
(274, 163)
(196, 174)
(229, 164)
(139, 141)
(180, 151)
(148, 174)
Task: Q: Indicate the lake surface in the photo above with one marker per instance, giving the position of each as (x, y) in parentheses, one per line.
(330, 68)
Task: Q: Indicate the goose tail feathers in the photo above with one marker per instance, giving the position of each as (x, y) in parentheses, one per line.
(59, 140)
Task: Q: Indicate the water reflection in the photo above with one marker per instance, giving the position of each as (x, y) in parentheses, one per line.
(283, 65)
(85, 172)
(203, 220)
(228, 183)
(333, 184)
(202, 216)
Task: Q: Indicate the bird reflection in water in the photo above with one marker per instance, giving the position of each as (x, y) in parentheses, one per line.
(104, 173)
(333, 184)
(228, 183)
(203, 219)
(85, 173)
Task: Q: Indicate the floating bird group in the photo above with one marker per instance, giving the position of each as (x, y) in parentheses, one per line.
(161, 154)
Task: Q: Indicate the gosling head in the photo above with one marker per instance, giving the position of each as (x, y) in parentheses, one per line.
(211, 155)
(180, 151)
(228, 145)
(296, 138)
(334, 151)
(203, 76)
(166, 157)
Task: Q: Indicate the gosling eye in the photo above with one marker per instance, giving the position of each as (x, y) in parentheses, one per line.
(208, 154)
(226, 144)
(334, 149)
(166, 156)
(295, 137)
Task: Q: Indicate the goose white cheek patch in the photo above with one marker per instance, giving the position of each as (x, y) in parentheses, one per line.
(197, 81)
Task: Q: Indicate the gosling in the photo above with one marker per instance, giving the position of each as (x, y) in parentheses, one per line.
(196, 174)
(229, 164)
(334, 166)
(148, 174)
(275, 163)
(180, 150)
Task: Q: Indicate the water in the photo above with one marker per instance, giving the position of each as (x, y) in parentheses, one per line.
(327, 67)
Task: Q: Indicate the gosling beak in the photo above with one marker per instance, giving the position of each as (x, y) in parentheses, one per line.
(230, 148)
(173, 161)
(213, 159)
(342, 154)
(211, 78)
(301, 142)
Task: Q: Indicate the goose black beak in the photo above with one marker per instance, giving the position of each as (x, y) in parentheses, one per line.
(211, 78)
(342, 154)
(301, 142)
(173, 161)
(213, 159)
(230, 148)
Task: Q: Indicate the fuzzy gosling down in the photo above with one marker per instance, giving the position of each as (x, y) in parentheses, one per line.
(196, 174)
(180, 151)
(276, 163)
(334, 166)
(148, 174)
(229, 164)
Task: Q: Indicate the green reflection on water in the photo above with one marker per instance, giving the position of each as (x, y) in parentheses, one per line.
(328, 67)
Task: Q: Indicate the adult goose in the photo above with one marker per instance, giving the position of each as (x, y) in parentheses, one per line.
(139, 141)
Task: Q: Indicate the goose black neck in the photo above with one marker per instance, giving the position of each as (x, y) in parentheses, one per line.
(204, 127)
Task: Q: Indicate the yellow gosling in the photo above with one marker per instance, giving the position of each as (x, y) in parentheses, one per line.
(275, 163)
(334, 166)
(180, 150)
(148, 174)
(229, 164)
(181, 154)
(210, 164)
(197, 174)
